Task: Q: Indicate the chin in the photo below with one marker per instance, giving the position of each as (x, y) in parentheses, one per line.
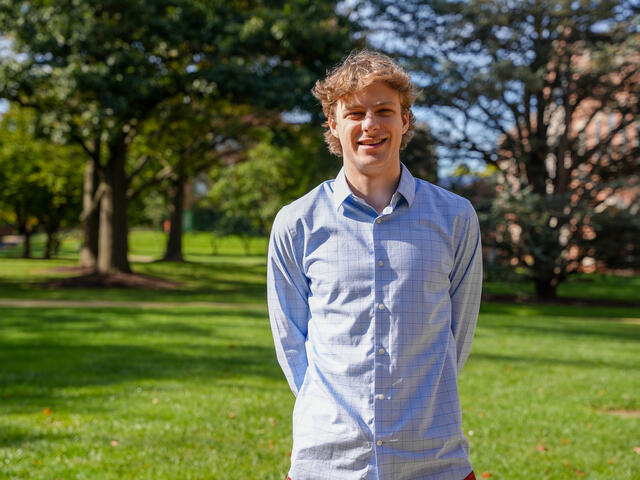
(376, 159)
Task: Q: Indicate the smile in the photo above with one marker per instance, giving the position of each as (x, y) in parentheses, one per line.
(373, 142)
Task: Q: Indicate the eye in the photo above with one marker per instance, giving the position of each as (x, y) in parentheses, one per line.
(354, 115)
(385, 111)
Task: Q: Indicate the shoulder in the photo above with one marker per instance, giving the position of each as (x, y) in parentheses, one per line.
(442, 200)
(293, 216)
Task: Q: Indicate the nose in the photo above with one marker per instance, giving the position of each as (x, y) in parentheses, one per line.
(370, 122)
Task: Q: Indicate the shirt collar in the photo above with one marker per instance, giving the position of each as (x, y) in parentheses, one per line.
(341, 189)
(406, 187)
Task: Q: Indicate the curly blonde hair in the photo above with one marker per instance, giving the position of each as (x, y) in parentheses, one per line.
(359, 70)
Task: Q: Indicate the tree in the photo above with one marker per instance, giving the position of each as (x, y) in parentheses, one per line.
(524, 86)
(284, 165)
(420, 154)
(40, 181)
(184, 140)
(98, 70)
(18, 192)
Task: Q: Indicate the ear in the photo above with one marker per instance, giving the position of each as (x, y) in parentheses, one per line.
(333, 126)
(405, 122)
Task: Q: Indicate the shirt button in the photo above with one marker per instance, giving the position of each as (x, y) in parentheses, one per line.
(381, 351)
(380, 396)
(378, 220)
(380, 262)
(381, 306)
(379, 443)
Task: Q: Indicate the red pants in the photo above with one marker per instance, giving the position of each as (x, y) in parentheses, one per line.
(471, 476)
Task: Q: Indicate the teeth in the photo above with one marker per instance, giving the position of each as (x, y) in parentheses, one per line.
(370, 142)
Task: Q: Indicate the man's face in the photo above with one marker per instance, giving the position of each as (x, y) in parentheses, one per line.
(370, 125)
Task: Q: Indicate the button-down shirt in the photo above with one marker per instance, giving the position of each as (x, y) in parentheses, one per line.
(373, 317)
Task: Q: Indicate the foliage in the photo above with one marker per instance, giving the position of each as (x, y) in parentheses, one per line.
(615, 238)
(545, 91)
(183, 141)
(99, 70)
(420, 155)
(40, 181)
(149, 210)
(277, 170)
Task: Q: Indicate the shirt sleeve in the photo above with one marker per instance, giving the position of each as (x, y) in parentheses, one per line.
(466, 285)
(287, 294)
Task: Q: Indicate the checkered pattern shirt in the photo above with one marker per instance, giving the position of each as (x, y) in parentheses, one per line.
(373, 317)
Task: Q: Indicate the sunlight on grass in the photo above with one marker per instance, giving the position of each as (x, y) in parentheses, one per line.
(196, 393)
(549, 392)
(534, 393)
(185, 393)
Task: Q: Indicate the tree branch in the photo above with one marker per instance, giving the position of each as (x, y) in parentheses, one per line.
(95, 202)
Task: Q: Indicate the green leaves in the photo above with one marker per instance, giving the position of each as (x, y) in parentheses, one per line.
(40, 181)
(248, 194)
(543, 91)
(100, 72)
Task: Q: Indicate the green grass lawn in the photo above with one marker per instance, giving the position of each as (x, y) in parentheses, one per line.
(549, 392)
(227, 269)
(229, 276)
(142, 394)
(580, 286)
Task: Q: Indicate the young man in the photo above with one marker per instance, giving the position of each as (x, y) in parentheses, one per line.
(374, 283)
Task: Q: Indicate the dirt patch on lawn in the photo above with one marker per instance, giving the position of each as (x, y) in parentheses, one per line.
(621, 413)
(629, 321)
(89, 279)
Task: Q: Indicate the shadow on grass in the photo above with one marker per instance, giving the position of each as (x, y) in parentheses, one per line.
(226, 291)
(570, 325)
(109, 321)
(45, 365)
(220, 280)
(43, 352)
(36, 376)
(546, 361)
(13, 437)
(630, 333)
(546, 310)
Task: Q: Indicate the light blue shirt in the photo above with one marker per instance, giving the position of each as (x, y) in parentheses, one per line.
(373, 318)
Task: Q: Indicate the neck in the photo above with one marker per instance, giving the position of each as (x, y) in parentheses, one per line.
(377, 189)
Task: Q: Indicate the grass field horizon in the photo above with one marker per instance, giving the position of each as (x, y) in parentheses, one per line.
(192, 392)
(229, 261)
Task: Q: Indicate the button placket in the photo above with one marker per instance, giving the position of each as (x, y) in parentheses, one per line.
(381, 321)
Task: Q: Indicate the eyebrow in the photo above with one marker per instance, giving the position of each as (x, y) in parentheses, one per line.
(384, 103)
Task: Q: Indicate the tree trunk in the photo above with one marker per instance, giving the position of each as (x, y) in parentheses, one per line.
(173, 251)
(22, 225)
(26, 247)
(50, 246)
(91, 217)
(113, 243)
(51, 222)
(546, 287)
(52, 239)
